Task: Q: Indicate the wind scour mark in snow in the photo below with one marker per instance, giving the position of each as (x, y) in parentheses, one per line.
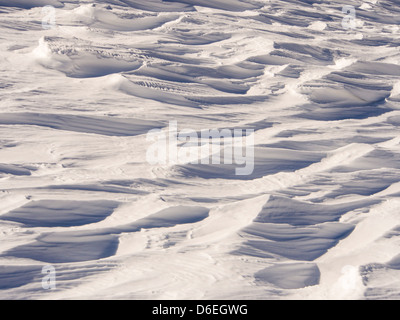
(79, 246)
(290, 276)
(108, 126)
(60, 213)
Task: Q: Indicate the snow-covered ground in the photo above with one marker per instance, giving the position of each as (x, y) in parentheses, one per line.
(83, 82)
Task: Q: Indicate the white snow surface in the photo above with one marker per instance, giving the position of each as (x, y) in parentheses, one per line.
(319, 217)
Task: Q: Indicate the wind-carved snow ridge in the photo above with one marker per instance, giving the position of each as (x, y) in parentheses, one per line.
(314, 84)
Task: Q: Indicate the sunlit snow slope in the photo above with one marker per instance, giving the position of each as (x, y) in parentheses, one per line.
(319, 218)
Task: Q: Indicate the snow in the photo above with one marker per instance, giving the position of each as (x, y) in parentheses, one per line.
(79, 92)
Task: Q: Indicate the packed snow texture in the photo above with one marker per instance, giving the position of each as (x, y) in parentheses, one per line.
(83, 82)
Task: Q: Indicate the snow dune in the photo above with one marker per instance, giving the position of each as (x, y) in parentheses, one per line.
(316, 219)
